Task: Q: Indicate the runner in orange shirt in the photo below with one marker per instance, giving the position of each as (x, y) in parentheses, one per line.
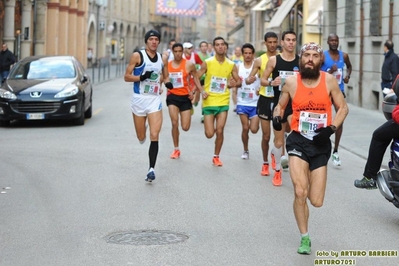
(179, 98)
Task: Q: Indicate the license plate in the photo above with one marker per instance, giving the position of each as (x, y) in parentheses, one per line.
(36, 116)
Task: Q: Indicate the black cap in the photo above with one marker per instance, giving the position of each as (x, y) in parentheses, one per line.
(151, 33)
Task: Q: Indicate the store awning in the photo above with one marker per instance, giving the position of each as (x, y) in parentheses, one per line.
(262, 5)
(235, 29)
(281, 13)
(312, 23)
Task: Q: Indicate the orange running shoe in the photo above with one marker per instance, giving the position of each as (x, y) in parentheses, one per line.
(175, 154)
(216, 161)
(265, 169)
(273, 161)
(277, 180)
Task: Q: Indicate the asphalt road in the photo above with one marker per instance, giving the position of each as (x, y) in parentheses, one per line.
(66, 190)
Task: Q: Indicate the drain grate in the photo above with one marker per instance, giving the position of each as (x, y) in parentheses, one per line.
(146, 237)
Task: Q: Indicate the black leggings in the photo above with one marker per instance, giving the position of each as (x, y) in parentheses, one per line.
(382, 137)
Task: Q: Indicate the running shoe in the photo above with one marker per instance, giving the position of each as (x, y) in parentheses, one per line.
(216, 161)
(367, 183)
(245, 155)
(273, 161)
(335, 159)
(150, 176)
(304, 248)
(265, 169)
(175, 154)
(277, 180)
(284, 162)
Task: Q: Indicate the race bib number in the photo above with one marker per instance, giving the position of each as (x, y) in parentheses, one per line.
(247, 94)
(338, 75)
(269, 91)
(177, 79)
(309, 122)
(151, 85)
(284, 75)
(218, 84)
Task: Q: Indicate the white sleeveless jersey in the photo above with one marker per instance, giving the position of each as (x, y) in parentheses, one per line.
(152, 85)
(246, 95)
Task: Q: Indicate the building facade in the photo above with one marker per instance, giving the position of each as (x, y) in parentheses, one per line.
(44, 27)
(363, 26)
(261, 16)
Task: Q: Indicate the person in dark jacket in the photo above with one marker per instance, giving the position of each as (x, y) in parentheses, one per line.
(380, 140)
(7, 59)
(390, 67)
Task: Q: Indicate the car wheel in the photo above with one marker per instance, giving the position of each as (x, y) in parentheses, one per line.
(4, 123)
(89, 111)
(80, 121)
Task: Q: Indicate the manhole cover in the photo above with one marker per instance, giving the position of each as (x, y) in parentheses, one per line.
(146, 237)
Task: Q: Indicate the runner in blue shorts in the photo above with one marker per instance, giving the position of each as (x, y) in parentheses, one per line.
(247, 98)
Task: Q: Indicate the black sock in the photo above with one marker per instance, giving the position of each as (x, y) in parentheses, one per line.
(153, 153)
(335, 150)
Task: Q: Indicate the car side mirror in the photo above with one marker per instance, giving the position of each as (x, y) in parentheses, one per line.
(84, 79)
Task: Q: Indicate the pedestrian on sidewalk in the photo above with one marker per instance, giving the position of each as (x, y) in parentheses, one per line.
(146, 69)
(221, 74)
(312, 93)
(390, 67)
(334, 63)
(7, 59)
(179, 98)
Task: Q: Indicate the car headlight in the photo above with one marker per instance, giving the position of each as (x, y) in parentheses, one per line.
(5, 94)
(68, 92)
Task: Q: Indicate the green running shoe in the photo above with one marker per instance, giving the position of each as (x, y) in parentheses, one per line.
(304, 248)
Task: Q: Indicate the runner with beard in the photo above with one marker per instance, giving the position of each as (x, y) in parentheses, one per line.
(280, 67)
(309, 147)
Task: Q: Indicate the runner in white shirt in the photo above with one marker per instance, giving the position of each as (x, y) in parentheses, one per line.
(247, 97)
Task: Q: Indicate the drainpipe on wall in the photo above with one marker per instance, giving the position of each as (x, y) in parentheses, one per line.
(361, 54)
(34, 27)
(390, 19)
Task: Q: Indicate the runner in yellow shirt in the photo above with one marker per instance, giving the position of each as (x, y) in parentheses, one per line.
(221, 74)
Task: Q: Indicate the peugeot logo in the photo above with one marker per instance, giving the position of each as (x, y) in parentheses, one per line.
(35, 94)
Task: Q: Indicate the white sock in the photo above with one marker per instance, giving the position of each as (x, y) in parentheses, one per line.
(151, 170)
(305, 234)
(277, 156)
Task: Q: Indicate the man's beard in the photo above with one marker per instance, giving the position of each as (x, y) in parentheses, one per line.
(309, 73)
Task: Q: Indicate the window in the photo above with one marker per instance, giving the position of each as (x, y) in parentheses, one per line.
(350, 18)
(375, 18)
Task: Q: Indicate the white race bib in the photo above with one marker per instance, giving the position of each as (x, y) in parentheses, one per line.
(284, 75)
(177, 79)
(151, 85)
(309, 122)
(246, 94)
(218, 84)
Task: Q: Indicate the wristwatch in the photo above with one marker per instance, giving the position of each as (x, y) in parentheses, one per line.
(334, 128)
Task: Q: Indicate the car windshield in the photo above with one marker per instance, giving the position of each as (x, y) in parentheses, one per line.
(44, 69)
